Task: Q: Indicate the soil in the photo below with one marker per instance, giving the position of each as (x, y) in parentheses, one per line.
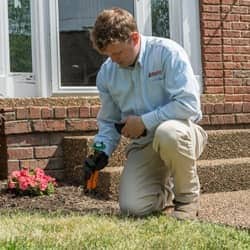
(66, 199)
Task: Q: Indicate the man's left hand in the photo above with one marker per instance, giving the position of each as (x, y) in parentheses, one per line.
(134, 127)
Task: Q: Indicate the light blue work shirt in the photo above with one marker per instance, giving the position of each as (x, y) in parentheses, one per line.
(161, 86)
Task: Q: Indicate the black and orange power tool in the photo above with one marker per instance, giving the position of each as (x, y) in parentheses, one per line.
(92, 165)
(91, 176)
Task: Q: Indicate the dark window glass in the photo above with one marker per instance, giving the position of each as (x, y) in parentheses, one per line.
(79, 61)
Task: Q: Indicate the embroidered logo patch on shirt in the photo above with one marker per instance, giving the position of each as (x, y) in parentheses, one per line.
(154, 73)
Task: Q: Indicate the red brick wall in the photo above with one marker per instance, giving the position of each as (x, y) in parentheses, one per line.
(3, 153)
(32, 136)
(34, 129)
(225, 40)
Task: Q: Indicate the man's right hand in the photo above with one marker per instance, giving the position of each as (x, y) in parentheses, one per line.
(96, 161)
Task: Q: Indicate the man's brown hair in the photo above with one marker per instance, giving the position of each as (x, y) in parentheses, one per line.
(112, 25)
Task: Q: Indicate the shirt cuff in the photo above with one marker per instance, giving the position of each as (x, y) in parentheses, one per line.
(150, 120)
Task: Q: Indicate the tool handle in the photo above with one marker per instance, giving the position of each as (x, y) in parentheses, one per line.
(119, 127)
(92, 182)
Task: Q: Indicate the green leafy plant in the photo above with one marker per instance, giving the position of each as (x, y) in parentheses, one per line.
(31, 182)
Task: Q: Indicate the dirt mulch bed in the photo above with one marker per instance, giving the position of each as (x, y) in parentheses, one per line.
(65, 199)
(68, 199)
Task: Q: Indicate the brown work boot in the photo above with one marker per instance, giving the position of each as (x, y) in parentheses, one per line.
(168, 210)
(186, 211)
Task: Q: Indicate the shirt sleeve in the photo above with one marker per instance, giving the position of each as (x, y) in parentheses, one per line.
(183, 89)
(107, 116)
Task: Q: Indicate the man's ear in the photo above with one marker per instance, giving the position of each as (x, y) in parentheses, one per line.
(135, 36)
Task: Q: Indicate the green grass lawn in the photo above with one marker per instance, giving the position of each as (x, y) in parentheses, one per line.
(20, 230)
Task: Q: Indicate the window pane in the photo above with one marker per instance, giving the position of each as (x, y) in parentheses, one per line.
(79, 61)
(160, 18)
(20, 35)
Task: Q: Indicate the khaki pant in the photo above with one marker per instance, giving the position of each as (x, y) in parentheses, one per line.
(163, 170)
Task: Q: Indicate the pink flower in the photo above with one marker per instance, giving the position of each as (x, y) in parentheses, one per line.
(15, 174)
(23, 185)
(43, 186)
(39, 172)
(33, 181)
(24, 172)
(11, 184)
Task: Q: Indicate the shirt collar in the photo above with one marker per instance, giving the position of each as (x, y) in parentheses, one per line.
(140, 59)
(141, 55)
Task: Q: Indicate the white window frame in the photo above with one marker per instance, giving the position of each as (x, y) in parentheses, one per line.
(184, 29)
(30, 84)
(6, 86)
(45, 80)
(184, 22)
(41, 43)
(55, 58)
(13, 83)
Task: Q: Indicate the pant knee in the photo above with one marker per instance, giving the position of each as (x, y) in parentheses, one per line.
(166, 137)
(136, 207)
(173, 138)
(131, 208)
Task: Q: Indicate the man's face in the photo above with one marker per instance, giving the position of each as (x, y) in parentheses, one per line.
(123, 53)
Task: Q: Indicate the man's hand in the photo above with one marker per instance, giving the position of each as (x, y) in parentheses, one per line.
(134, 127)
(96, 161)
